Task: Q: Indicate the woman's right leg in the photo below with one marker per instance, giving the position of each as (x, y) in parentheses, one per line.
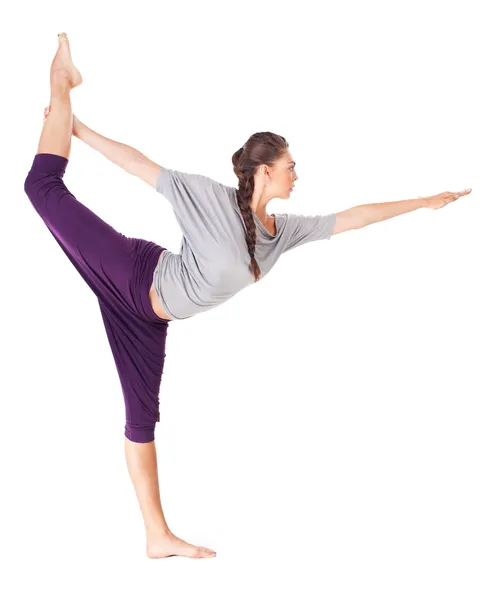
(64, 76)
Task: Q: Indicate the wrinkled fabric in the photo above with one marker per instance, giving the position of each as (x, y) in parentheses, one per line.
(213, 262)
(119, 270)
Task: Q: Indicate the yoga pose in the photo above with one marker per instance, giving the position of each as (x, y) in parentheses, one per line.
(229, 242)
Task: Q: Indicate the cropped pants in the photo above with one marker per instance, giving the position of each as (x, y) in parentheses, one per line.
(119, 270)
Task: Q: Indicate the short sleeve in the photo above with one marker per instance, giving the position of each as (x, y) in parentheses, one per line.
(301, 229)
(198, 202)
(182, 188)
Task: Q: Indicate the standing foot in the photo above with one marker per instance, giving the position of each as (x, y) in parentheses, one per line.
(164, 545)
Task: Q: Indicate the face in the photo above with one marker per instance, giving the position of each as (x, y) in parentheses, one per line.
(283, 176)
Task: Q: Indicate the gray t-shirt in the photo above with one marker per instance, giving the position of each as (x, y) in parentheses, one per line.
(213, 263)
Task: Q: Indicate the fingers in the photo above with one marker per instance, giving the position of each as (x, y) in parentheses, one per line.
(463, 193)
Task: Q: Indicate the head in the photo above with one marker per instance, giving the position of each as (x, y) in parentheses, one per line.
(263, 165)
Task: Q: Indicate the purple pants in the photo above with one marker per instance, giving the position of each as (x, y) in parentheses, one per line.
(119, 270)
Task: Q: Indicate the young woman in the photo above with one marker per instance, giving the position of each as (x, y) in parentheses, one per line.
(229, 242)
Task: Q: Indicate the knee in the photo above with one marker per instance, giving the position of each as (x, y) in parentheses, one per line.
(29, 182)
(140, 433)
(47, 171)
(33, 186)
(39, 185)
(34, 180)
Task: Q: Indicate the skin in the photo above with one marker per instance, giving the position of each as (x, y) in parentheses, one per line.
(141, 458)
(276, 179)
(276, 182)
(270, 182)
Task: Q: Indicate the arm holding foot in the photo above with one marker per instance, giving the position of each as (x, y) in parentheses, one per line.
(126, 157)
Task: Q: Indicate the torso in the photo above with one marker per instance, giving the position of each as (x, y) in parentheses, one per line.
(154, 300)
(157, 307)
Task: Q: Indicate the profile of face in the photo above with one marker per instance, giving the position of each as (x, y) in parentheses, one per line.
(282, 176)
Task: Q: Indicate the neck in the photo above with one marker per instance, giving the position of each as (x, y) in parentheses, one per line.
(258, 205)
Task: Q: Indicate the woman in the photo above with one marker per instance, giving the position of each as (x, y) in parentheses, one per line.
(229, 242)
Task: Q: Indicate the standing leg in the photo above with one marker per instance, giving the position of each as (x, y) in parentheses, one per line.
(119, 270)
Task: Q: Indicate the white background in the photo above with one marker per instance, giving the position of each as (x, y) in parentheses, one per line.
(323, 429)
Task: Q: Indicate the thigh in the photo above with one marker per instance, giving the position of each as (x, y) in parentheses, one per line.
(104, 257)
(95, 247)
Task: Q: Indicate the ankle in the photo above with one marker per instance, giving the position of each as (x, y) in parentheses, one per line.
(157, 531)
(61, 79)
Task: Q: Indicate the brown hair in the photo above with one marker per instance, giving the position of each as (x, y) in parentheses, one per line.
(261, 148)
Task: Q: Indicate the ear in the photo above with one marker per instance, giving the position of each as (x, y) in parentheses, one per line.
(265, 171)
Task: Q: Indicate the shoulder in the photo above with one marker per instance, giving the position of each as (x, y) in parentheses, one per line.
(175, 176)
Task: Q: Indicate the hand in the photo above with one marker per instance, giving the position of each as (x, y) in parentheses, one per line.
(75, 120)
(444, 198)
(75, 125)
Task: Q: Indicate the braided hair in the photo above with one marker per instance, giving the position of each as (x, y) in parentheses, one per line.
(261, 148)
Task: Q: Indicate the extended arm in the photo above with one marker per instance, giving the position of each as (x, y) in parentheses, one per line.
(126, 157)
(366, 214)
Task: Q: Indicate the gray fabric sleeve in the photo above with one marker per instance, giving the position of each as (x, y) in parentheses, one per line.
(308, 228)
(176, 185)
(200, 203)
(188, 193)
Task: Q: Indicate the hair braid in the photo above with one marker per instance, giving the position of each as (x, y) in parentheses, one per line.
(244, 195)
(261, 148)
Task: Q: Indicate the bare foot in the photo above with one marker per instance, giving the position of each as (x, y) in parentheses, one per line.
(63, 61)
(170, 545)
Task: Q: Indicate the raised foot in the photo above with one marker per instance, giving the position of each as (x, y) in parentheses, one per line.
(166, 545)
(63, 61)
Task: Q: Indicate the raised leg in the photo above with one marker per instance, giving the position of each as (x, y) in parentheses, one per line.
(57, 131)
(64, 76)
(111, 264)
